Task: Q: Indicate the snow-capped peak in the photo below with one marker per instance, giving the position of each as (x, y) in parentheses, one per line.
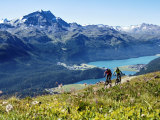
(4, 20)
(38, 18)
(126, 28)
(98, 25)
(137, 28)
(101, 25)
(140, 29)
(43, 11)
(40, 10)
(40, 15)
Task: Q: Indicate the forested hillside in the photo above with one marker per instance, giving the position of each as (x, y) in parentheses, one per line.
(153, 66)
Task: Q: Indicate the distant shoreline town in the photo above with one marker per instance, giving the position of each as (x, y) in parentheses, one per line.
(77, 67)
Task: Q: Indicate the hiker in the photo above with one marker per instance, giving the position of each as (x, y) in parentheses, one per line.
(118, 74)
(108, 77)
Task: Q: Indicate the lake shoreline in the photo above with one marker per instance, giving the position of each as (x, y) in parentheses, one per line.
(112, 64)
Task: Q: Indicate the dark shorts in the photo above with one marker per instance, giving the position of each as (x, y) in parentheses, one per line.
(108, 77)
(118, 74)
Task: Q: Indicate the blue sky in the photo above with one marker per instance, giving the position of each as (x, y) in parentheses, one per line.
(108, 12)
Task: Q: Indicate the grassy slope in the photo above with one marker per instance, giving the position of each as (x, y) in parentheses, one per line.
(137, 99)
(69, 88)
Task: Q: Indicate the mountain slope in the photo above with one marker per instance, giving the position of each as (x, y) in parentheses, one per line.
(52, 38)
(26, 78)
(153, 66)
(137, 99)
(11, 47)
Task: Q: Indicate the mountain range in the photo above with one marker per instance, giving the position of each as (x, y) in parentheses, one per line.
(31, 46)
(143, 31)
(49, 37)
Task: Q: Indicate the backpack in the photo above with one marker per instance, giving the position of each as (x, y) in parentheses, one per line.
(109, 72)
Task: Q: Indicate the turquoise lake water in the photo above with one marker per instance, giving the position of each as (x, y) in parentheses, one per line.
(116, 63)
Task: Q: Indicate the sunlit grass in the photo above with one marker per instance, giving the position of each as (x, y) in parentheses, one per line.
(137, 99)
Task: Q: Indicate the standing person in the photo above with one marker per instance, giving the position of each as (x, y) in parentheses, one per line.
(118, 74)
(108, 77)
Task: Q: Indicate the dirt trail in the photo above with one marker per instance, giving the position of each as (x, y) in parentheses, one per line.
(123, 80)
(66, 88)
(126, 78)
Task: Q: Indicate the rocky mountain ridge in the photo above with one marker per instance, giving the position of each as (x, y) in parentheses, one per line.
(47, 35)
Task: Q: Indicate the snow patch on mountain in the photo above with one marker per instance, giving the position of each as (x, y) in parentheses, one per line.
(138, 28)
(126, 28)
(4, 20)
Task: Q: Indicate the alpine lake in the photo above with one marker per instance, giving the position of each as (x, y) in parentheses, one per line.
(112, 64)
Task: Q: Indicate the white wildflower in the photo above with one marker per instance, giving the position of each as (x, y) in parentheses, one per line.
(63, 110)
(132, 100)
(4, 102)
(100, 109)
(55, 99)
(143, 115)
(110, 110)
(106, 115)
(9, 107)
(35, 102)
